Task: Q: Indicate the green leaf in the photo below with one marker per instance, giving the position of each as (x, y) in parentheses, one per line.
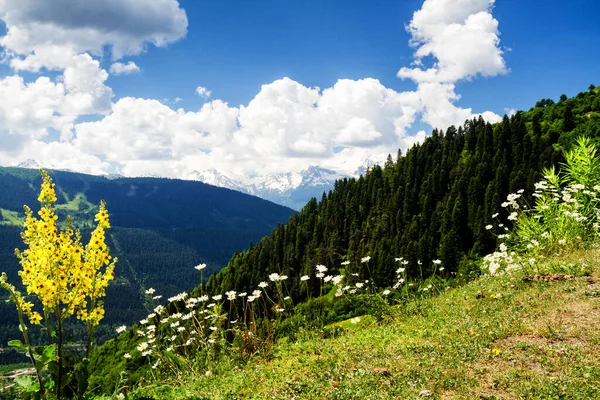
(49, 353)
(17, 343)
(25, 381)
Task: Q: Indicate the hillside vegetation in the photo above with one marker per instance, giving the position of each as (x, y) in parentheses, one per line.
(161, 229)
(509, 337)
(434, 202)
(439, 274)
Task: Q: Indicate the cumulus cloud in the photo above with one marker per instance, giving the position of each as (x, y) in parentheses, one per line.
(203, 92)
(124, 69)
(38, 30)
(463, 38)
(285, 127)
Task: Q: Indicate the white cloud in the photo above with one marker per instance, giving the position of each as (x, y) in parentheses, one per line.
(124, 69)
(461, 35)
(39, 31)
(463, 38)
(203, 92)
(285, 127)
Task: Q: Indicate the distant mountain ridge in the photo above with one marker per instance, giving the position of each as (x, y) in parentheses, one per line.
(290, 189)
(161, 229)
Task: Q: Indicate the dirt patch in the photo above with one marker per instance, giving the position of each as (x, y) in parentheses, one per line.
(548, 278)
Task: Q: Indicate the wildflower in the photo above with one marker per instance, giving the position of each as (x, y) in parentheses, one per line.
(365, 259)
(230, 295)
(337, 279)
(305, 278)
(203, 298)
(263, 285)
(120, 396)
(144, 321)
(274, 277)
(147, 352)
(243, 294)
(320, 275)
(321, 268)
(327, 278)
(200, 267)
(512, 216)
(256, 293)
(496, 351)
(355, 320)
(186, 317)
(143, 346)
(346, 262)
(488, 227)
(400, 270)
(386, 292)
(127, 356)
(437, 262)
(398, 259)
(441, 269)
(494, 215)
(150, 291)
(359, 285)
(179, 297)
(157, 297)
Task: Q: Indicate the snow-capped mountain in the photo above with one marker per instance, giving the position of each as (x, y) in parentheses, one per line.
(291, 189)
(368, 164)
(294, 189)
(33, 164)
(215, 178)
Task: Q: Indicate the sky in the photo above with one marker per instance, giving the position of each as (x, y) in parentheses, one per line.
(166, 87)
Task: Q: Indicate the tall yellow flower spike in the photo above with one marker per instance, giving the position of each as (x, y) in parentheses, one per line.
(66, 277)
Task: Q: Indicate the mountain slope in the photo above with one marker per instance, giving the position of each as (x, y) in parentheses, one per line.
(432, 203)
(493, 338)
(161, 228)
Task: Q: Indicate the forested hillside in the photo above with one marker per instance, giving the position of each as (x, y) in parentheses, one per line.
(431, 203)
(160, 230)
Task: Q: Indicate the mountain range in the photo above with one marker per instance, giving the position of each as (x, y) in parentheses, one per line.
(290, 189)
(161, 229)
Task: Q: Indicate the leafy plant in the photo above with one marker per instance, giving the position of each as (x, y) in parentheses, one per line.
(67, 279)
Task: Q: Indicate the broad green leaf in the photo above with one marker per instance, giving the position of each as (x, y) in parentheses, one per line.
(49, 353)
(25, 381)
(17, 343)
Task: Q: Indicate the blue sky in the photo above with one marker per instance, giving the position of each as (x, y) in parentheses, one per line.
(70, 102)
(235, 47)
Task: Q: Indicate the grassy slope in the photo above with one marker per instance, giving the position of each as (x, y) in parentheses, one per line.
(536, 340)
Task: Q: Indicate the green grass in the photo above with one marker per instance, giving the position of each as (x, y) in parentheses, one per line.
(494, 338)
(11, 217)
(78, 203)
